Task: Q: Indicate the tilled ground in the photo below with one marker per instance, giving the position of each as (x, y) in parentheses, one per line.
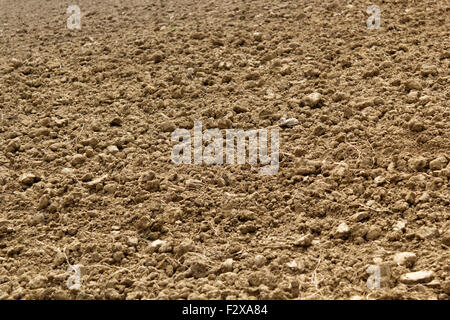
(86, 175)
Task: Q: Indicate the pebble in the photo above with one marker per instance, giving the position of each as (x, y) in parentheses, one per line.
(416, 125)
(44, 201)
(313, 99)
(427, 233)
(446, 287)
(360, 216)
(446, 238)
(192, 184)
(227, 266)
(28, 179)
(13, 146)
(428, 70)
(167, 126)
(417, 163)
(110, 188)
(132, 241)
(260, 260)
(425, 197)
(16, 63)
(157, 243)
(413, 85)
(112, 149)
(406, 259)
(304, 241)
(165, 247)
(373, 233)
(342, 230)
(423, 100)
(423, 276)
(439, 163)
(286, 70)
(158, 57)
(247, 228)
(400, 226)
(240, 109)
(184, 247)
(292, 264)
(288, 123)
(115, 122)
(78, 159)
(413, 96)
(37, 282)
(379, 180)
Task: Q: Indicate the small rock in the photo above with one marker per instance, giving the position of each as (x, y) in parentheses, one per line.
(427, 233)
(434, 284)
(439, 163)
(38, 282)
(446, 238)
(36, 219)
(28, 179)
(288, 123)
(416, 125)
(413, 85)
(260, 260)
(400, 226)
(78, 159)
(167, 126)
(115, 122)
(158, 57)
(43, 202)
(423, 276)
(132, 241)
(373, 233)
(304, 241)
(110, 188)
(413, 96)
(428, 70)
(192, 184)
(417, 163)
(406, 259)
(97, 181)
(446, 287)
(165, 247)
(13, 146)
(342, 231)
(360, 216)
(410, 197)
(292, 264)
(423, 100)
(313, 99)
(425, 197)
(16, 63)
(240, 109)
(227, 266)
(157, 243)
(112, 149)
(67, 171)
(247, 228)
(286, 70)
(184, 247)
(379, 180)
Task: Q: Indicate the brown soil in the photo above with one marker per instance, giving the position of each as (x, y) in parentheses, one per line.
(86, 176)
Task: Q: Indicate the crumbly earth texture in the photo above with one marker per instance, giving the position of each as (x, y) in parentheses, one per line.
(359, 208)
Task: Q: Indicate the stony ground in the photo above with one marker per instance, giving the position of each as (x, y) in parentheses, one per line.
(88, 185)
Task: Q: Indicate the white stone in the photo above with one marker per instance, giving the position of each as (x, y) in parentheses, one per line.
(342, 230)
(406, 259)
(288, 123)
(423, 276)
